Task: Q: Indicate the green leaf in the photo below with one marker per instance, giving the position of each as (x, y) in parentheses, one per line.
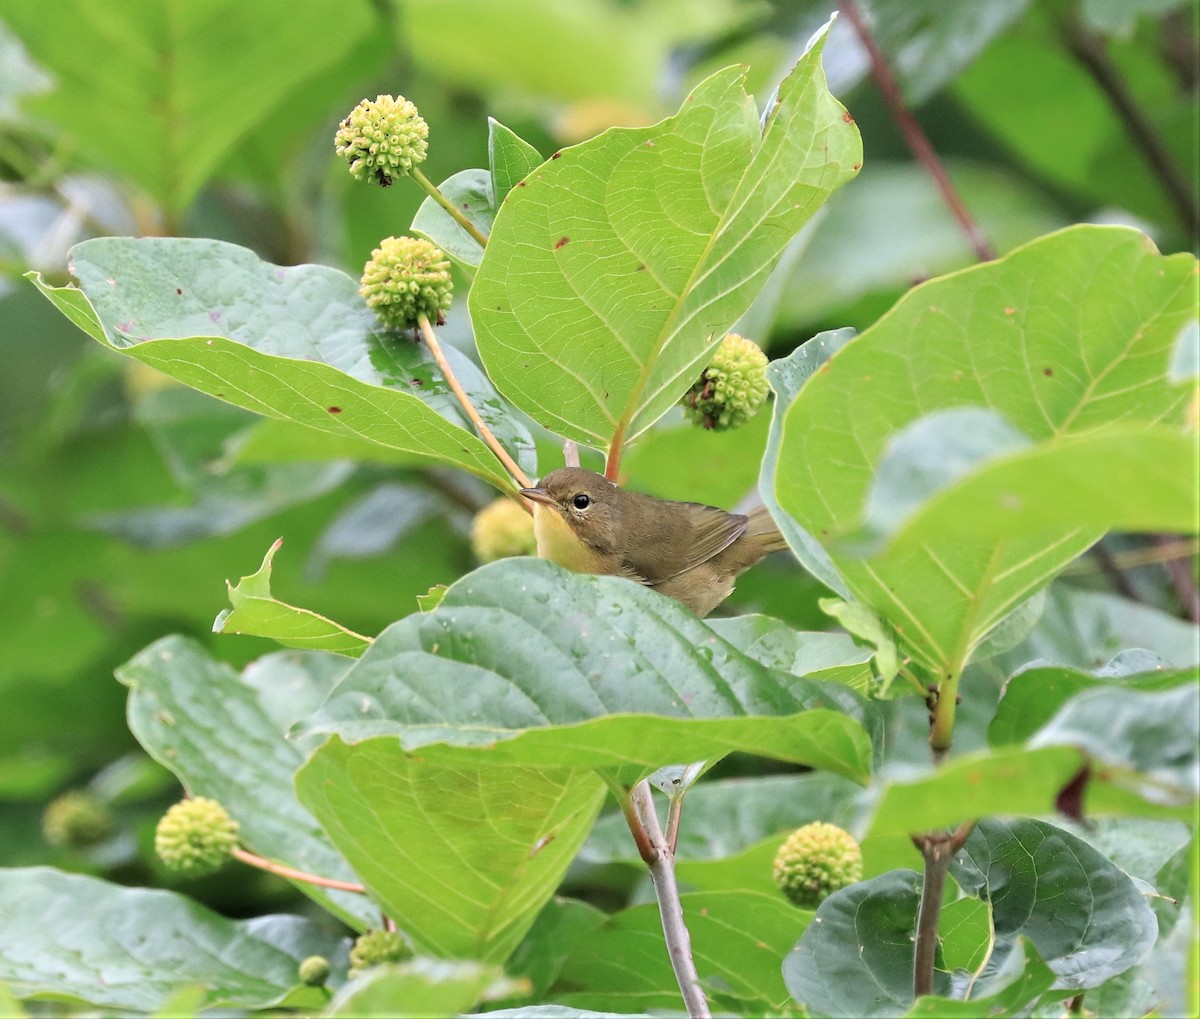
(256, 611)
(223, 739)
(965, 931)
(856, 957)
(461, 854)
(1086, 917)
(421, 987)
(1086, 628)
(616, 677)
(993, 336)
(815, 654)
(156, 111)
(787, 376)
(738, 940)
(297, 343)
(1020, 979)
(510, 157)
(868, 627)
(1142, 740)
(1126, 479)
(561, 926)
(642, 247)
(470, 191)
(131, 949)
(1032, 696)
(1007, 781)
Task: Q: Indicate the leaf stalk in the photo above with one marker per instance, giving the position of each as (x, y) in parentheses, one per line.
(454, 211)
(485, 433)
(262, 863)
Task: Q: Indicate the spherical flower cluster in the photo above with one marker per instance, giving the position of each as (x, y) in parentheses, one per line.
(377, 947)
(815, 861)
(405, 278)
(382, 139)
(195, 837)
(502, 529)
(77, 819)
(732, 388)
(314, 971)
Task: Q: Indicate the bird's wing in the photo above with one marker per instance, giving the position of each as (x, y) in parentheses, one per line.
(713, 531)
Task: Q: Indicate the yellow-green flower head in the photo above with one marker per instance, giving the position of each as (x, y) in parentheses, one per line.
(78, 819)
(314, 971)
(377, 947)
(815, 862)
(195, 837)
(502, 529)
(732, 388)
(407, 277)
(382, 139)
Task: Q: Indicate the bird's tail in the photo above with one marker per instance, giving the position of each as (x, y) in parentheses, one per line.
(761, 524)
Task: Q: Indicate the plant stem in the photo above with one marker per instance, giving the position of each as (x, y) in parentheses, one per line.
(655, 850)
(943, 702)
(570, 453)
(612, 464)
(938, 850)
(296, 875)
(1088, 49)
(913, 135)
(485, 433)
(459, 217)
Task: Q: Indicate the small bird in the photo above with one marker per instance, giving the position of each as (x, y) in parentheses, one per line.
(690, 552)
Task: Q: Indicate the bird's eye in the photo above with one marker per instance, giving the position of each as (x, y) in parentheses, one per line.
(582, 501)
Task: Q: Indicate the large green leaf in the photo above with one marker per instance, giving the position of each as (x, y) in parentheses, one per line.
(1020, 979)
(131, 949)
(1063, 336)
(1032, 696)
(1086, 917)
(1007, 781)
(1147, 741)
(738, 940)
(856, 957)
(294, 343)
(420, 987)
(609, 275)
(952, 474)
(462, 854)
(614, 676)
(816, 654)
(156, 111)
(256, 611)
(212, 728)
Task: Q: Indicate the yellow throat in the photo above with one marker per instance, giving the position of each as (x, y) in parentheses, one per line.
(558, 543)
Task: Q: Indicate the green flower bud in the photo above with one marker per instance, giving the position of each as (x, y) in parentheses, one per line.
(377, 947)
(732, 388)
(382, 139)
(314, 971)
(502, 529)
(195, 837)
(816, 861)
(77, 819)
(407, 277)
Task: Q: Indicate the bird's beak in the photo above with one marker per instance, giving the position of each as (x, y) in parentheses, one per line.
(537, 495)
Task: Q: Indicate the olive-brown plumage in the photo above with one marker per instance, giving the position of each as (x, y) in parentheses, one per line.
(690, 552)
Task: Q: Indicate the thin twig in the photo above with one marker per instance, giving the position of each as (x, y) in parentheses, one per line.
(1088, 48)
(655, 851)
(913, 135)
(458, 215)
(1180, 571)
(296, 875)
(485, 433)
(1113, 572)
